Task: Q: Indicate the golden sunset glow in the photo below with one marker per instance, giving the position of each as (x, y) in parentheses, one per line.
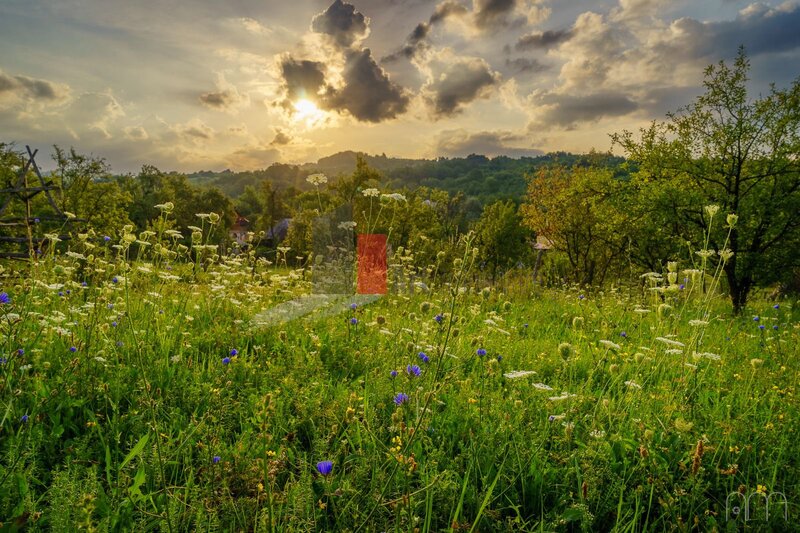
(307, 113)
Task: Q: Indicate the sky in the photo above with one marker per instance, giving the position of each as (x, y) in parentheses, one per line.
(193, 85)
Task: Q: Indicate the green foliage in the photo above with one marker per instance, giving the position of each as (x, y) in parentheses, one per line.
(738, 153)
(501, 236)
(584, 213)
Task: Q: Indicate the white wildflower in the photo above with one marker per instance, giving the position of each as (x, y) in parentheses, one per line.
(515, 374)
(610, 344)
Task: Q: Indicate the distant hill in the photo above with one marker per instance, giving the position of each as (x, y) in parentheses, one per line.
(476, 176)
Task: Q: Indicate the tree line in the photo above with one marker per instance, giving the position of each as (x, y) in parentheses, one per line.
(717, 182)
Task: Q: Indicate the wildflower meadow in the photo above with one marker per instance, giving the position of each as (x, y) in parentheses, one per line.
(143, 390)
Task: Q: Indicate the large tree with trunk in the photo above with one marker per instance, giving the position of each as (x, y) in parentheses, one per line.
(738, 152)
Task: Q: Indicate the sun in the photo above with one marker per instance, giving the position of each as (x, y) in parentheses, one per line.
(307, 112)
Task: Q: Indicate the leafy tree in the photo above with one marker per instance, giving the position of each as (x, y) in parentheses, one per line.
(578, 210)
(501, 236)
(89, 192)
(739, 153)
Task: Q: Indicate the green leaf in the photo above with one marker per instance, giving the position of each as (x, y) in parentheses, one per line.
(135, 451)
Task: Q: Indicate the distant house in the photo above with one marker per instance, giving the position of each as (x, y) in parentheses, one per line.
(238, 231)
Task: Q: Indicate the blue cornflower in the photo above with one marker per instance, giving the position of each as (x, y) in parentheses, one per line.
(499, 358)
(439, 318)
(73, 349)
(69, 292)
(400, 398)
(761, 326)
(226, 360)
(234, 352)
(36, 220)
(325, 467)
(4, 298)
(682, 286)
(424, 357)
(776, 306)
(623, 334)
(114, 324)
(20, 351)
(24, 419)
(106, 238)
(3, 360)
(525, 325)
(581, 297)
(354, 321)
(61, 293)
(84, 284)
(353, 306)
(115, 279)
(775, 327)
(755, 319)
(413, 369)
(481, 352)
(552, 418)
(393, 373)
(216, 459)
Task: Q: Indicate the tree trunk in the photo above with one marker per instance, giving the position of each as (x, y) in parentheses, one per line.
(739, 287)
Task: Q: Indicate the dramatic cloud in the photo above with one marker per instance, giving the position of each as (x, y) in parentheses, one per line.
(342, 23)
(362, 89)
(488, 13)
(417, 40)
(568, 110)
(415, 43)
(32, 89)
(225, 98)
(301, 78)
(462, 81)
(461, 143)
(759, 28)
(368, 93)
(546, 39)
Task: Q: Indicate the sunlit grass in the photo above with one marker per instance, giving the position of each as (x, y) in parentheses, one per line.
(137, 394)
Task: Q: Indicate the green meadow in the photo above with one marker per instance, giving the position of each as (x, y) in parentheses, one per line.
(141, 392)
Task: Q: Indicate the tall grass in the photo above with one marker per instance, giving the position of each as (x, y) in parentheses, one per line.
(137, 394)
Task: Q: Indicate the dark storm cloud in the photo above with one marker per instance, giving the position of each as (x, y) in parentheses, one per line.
(543, 40)
(342, 23)
(368, 93)
(461, 83)
(761, 30)
(567, 110)
(489, 13)
(35, 89)
(414, 43)
(417, 40)
(461, 143)
(301, 78)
